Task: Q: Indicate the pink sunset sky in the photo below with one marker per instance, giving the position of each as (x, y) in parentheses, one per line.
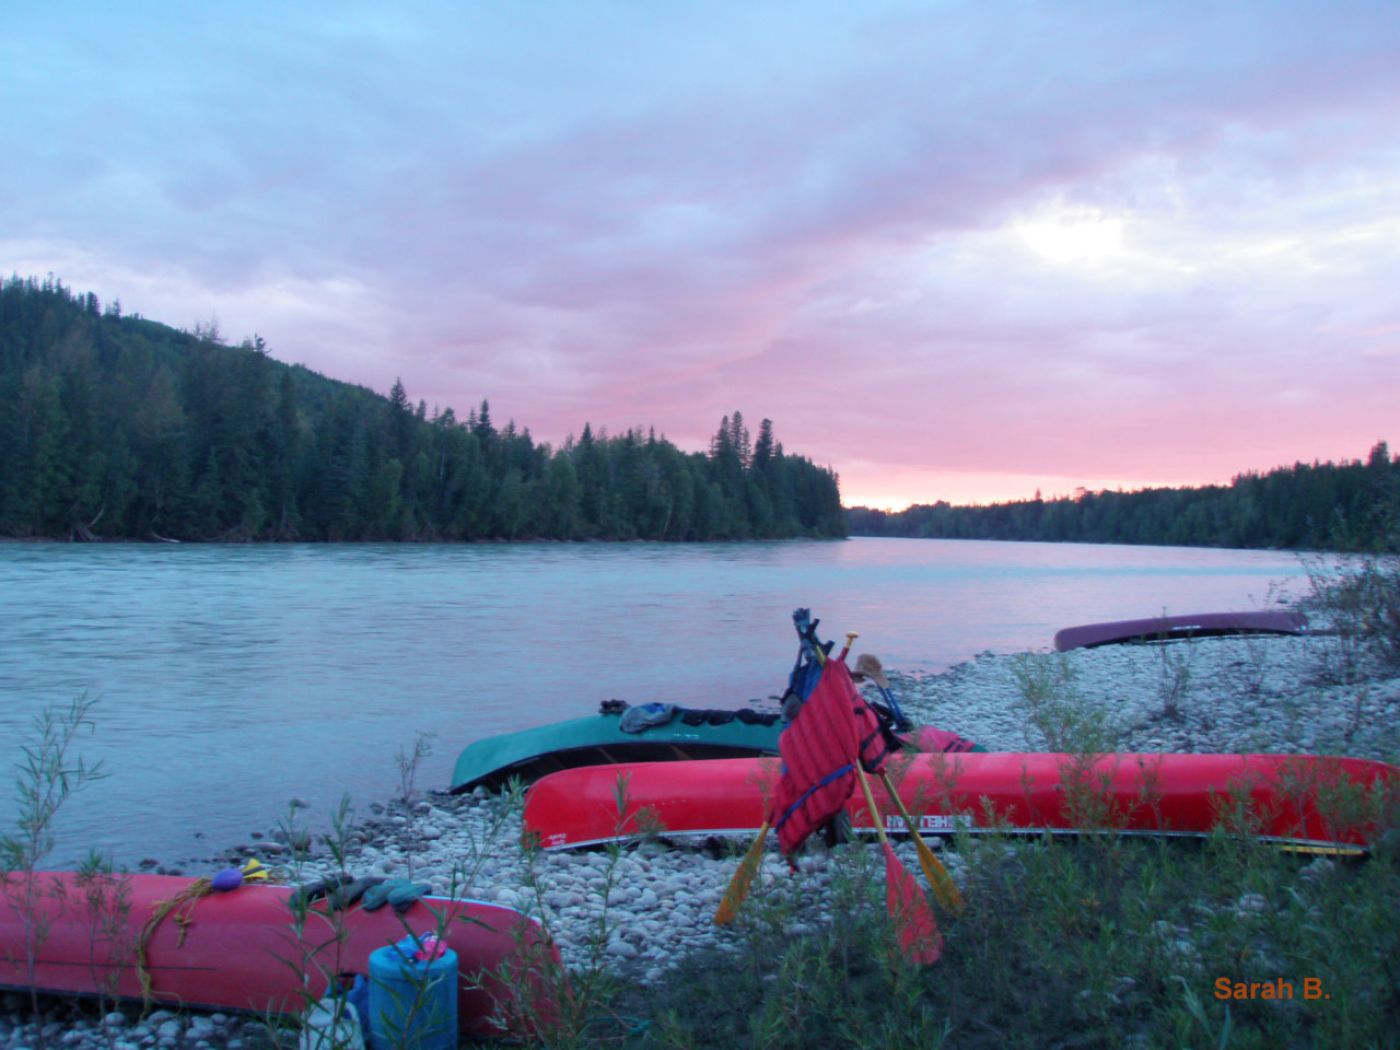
(956, 251)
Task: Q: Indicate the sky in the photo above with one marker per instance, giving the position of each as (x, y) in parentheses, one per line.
(958, 251)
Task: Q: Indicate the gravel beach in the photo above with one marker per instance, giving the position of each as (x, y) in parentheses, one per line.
(1310, 694)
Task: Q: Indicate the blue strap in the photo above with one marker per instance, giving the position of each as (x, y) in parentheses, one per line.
(894, 704)
(836, 775)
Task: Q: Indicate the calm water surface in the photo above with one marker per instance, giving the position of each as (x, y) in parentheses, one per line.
(230, 679)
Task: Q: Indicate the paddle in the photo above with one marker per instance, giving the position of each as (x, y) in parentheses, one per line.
(918, 933)
(919, 936)
(918, 929)
(944, 888)
(739, 885)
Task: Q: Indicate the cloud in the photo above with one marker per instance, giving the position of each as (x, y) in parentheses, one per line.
(930, 242)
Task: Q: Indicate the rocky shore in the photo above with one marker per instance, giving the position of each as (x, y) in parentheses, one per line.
(638, 911)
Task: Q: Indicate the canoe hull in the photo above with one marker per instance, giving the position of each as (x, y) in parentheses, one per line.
(1295, 799)
(599, 740)
(1196, 625)
(240, 950)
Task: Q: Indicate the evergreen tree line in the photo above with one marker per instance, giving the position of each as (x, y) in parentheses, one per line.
(1353, 505)
(116, 426)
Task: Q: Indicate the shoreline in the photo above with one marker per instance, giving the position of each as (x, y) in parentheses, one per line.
(643, 913)
(1230, 695)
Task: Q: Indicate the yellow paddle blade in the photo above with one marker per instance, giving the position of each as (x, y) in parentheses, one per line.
(739, 885)
(944, 888)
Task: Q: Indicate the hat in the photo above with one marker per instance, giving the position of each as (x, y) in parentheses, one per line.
(868, 666)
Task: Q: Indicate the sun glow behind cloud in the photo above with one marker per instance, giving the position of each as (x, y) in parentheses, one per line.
(1072, 235)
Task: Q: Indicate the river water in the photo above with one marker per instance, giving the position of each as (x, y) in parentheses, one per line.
(230, 679)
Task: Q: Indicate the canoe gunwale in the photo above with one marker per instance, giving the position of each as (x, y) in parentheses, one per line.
(597, 740)
(900, 831)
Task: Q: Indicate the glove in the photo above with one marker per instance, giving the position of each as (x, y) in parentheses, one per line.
(314, 891)
(399, 893)
(344, 896)
(407, 896)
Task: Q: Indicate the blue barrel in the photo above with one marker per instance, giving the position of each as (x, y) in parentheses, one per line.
(412, 1004)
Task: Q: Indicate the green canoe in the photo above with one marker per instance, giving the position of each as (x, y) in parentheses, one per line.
(599, 740)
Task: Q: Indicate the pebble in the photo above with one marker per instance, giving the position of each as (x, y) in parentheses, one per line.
(621, 949)
(1318, 869)
(1251, 904)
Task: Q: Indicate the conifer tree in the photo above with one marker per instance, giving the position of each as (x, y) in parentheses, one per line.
(128, 428)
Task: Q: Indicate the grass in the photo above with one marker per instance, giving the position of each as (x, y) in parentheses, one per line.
(1102, 941)
(1089, 943)
(408, 763)
(50, 774)
(1358, 597)
(1056, 715)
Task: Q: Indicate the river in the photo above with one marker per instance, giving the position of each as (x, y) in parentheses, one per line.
(229, 679)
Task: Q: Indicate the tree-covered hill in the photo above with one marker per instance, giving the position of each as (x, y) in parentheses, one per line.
(1347, 506)
(114, 426)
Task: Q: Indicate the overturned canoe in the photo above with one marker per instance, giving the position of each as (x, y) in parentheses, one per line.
(242, 950)
(601, 740)
(1163, 628)
(1300, 800)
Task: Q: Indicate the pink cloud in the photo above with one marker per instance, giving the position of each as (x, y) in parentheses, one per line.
(634, 226)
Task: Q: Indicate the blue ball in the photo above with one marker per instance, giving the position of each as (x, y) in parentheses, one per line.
(228, 879)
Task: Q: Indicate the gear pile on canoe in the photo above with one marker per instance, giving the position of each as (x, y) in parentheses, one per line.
(663, 732)
(654, 732)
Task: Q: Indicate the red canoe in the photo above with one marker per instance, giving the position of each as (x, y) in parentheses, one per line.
(240, 950)
(1299, 800)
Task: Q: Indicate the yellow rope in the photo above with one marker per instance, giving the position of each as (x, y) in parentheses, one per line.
(201, 887)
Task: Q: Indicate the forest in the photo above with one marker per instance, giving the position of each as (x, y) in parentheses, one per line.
(117, 427)
(1350, 506)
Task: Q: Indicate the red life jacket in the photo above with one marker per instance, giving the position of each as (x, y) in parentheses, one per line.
(818, 750)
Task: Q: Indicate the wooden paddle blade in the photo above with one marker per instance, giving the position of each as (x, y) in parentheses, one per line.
(920, 939)
(739, 885)
(944, 888)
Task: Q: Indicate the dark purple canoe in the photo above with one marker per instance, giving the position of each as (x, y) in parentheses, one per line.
(1161, 628)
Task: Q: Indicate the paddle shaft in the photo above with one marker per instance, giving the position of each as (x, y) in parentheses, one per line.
(875, 817)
